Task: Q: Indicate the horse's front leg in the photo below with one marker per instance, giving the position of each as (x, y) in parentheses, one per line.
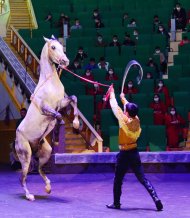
(66, 101)
(48, 111)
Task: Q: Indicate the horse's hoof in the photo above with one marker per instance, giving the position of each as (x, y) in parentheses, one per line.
(76, 123)
(30, 197)
(48, 189)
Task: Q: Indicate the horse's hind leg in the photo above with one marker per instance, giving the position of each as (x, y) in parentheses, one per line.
(44, 154)
(24, 153)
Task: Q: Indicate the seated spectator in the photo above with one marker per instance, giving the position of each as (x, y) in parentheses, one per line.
(161, 88)
(91, 65)
(179, 14)
(156, 23)
(111, 75)
(136, 34)
(96, 90)
(75, 65)
(132, 23)
(184, 41)
(163, 62)
(100, 42)
(153, 64)
(128, 41)
(149, 75)
(159, 110)
(115, 41)
(77, 25)
(88, 75)
(96, 14)
(125, 19)
(130, 88)
(98, 23)
(103, 64)
(174, 123)
(49, 18)
(81, 55)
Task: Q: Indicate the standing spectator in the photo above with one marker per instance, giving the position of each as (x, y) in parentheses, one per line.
(77, 25)
(111, 75)
(184, 41)
(91, 65)
(130, 88)
(159, 110)
(63, 19)
(98, 23)
(100, 42)
(163, 61)
(174, 123)
(156, 23)
(162, 31)
(128, 41)
(103, 64)
(81, 55)
(179, 14)
(161, 88)
(125, 19)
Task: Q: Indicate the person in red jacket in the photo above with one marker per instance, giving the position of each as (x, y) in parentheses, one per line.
(111, 75)
(174, 123)
(161, 88)
(159, 110)
(130, 88)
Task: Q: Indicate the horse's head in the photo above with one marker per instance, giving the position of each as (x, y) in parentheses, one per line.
(55, 52)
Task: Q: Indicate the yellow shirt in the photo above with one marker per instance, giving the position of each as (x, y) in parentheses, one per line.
(129, 128)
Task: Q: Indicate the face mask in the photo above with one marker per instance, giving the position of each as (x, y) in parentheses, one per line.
(88, 74)
(110, 72)
(160, 29)
(95, 85)
(156, 99)
(160, 84)
(133, 23)
(172, 112)
(135, 33)
(178, 8)
(80, 52)
(114, 40)
(77, 24)
(95, 14)
(157, 51)
(100, 39)
(130, 85)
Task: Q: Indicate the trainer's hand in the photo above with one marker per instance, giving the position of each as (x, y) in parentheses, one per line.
(122, 95)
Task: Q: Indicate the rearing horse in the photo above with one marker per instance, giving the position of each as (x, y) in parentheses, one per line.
(48, 98)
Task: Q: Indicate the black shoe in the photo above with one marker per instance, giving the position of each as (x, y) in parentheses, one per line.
(159, 205)
(113, 206)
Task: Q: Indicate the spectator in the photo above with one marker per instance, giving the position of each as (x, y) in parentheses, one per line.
(130, 88)
(49, 18)
(77, 25)
(115, 41)
(174, 123)
(96, 90)
(159, 110)
(132, 23)
(163, 62)
(88, 75)
(91, 65)
(75, 65)
(179, 14)
(156, 23)
(136, 34)
(23, 112)
(96, 14)
(103, 64)
(98, 23)
(153, 64)
(184, 41)
(81, 55)
(125, 19)
(149, 75)
(63, 19)
(128, 41)
(161, 88)
(111, 75)
(100, 42)
(164, 33)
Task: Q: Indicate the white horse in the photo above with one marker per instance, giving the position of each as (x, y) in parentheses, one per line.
(42, 115)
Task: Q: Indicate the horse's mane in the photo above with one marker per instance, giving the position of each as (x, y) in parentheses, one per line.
(44, 53)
